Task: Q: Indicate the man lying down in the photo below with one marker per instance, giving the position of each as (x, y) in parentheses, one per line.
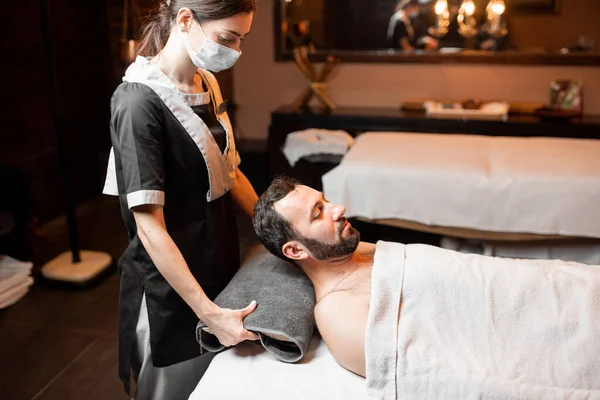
(423, 322)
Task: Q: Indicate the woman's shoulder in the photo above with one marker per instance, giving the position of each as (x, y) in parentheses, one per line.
(134, 93)
(136, 99)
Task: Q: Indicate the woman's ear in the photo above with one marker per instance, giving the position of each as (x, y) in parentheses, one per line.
(185, 17)
(294, 251)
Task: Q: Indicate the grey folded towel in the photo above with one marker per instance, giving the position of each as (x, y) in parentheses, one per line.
(284, 316)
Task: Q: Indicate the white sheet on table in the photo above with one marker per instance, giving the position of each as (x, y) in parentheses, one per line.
(247, 371)
(503, 184)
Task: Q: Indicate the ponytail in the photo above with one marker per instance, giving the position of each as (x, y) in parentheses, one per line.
(154, 33)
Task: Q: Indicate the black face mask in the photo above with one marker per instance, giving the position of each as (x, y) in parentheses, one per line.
(325, 251)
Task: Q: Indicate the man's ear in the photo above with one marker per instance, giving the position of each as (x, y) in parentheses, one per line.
(295, 251)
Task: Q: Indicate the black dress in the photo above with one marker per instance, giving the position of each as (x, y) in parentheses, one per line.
(399, 29)
(156, 158)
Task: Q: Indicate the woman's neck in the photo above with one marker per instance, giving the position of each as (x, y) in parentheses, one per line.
(175, 59)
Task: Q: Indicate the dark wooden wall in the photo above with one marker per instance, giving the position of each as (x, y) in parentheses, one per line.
(28, 138)
(86, 37)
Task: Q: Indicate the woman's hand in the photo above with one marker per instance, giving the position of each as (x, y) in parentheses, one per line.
(227, 325)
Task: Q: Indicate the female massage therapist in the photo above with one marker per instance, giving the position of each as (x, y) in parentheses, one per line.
(174, 167)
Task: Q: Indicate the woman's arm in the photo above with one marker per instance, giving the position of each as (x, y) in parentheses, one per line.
(405, 44)
(243, 194)
(225, 324)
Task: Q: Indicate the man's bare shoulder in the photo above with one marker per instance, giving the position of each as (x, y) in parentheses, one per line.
(334, 310)
(341, 320)
(330, 304)
(366, 249)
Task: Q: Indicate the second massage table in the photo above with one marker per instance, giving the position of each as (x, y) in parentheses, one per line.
(502, 189)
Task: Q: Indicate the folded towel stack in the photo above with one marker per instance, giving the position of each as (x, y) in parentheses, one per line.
(15, 280)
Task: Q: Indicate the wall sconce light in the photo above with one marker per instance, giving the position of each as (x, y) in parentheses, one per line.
(467, 24)
(495, 25)
(442, 19)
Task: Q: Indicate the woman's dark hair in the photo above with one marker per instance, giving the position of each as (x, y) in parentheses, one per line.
(271, 228)
(155, 32)
(402, 4)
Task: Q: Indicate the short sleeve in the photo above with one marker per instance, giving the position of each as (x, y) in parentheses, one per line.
(137, 138)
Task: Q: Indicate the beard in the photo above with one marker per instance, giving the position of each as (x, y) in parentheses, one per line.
(325, 251)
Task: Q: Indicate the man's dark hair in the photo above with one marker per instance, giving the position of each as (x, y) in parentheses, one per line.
(272, 229)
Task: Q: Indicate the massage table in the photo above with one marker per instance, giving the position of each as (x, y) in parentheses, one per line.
(444, 325)
(473, 187)
(248, 371)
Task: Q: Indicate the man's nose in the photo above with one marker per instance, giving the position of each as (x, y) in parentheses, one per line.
(338, 212)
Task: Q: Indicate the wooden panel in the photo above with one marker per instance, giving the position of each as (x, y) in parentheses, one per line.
(28, 121)
(88, 68)
(26, 72)
(82, 64)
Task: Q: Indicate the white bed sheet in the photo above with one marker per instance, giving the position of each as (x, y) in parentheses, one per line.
(247, 371)
(500, 184)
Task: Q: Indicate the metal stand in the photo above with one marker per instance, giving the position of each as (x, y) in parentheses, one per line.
(74, 266)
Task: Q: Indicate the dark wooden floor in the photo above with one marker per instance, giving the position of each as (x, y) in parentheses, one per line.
(59, 343)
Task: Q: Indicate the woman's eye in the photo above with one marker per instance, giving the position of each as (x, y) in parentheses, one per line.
(226, 39)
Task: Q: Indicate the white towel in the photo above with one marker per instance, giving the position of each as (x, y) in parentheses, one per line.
(316, 141)
(15, 280)
(478, 327)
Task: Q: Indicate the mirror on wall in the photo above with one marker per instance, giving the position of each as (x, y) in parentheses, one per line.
(491, 31)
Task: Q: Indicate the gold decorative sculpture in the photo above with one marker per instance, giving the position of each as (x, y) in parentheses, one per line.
(318, 79)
